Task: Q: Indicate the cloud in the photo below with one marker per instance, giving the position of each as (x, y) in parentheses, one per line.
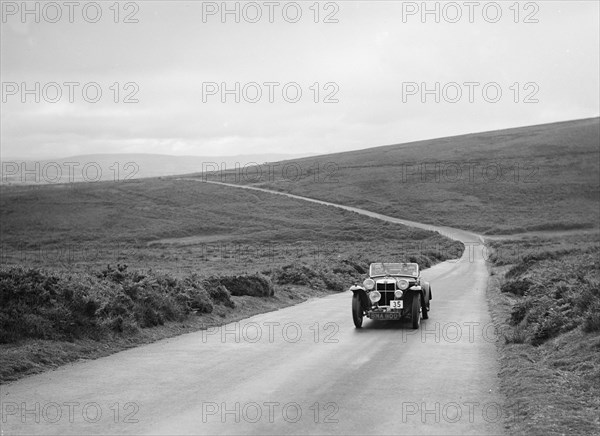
(362, 61)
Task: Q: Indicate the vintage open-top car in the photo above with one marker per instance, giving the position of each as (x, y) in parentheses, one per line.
(392, 291)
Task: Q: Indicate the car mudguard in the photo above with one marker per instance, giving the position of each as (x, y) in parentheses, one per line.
(420, 293)
(362, 296)
(427, 291)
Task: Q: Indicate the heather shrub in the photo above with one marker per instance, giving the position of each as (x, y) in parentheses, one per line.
(254, 285)
(65, 306)
(557, 294)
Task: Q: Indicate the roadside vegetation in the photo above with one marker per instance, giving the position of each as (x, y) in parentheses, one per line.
(91, 269)
(545, 298)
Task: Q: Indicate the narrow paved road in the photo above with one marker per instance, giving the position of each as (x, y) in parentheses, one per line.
(300, 370)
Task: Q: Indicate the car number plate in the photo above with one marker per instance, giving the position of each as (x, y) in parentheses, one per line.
(385, 315)
(396, 304)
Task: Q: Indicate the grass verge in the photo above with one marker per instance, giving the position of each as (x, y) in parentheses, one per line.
(544, 298)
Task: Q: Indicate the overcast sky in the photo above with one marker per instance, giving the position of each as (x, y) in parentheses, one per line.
(368, 58)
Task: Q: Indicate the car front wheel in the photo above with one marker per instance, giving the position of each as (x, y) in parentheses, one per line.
(357, 312)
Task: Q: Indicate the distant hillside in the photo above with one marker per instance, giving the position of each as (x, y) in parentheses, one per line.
(119, 167)
(542, 177)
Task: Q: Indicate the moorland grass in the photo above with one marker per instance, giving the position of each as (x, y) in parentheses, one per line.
(545, 298)
(542, 177)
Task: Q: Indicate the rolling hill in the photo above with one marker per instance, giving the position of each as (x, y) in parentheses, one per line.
(543, 177)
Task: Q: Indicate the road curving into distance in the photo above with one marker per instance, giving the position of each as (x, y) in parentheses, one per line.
(304, 369)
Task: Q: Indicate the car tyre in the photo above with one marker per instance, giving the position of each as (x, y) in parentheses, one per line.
(426, 307)
(425, 311)
(357, 312)
(416, 312)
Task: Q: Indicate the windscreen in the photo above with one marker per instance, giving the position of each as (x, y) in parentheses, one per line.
(403, 269)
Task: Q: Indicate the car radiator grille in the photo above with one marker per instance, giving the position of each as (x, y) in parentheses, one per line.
(387, 293)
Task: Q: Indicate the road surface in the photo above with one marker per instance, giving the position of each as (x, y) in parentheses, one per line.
(304, 369)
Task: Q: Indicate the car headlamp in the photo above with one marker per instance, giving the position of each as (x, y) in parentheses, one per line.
(374, 296)
(369, 284)
(398, 293)
(403, 284)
